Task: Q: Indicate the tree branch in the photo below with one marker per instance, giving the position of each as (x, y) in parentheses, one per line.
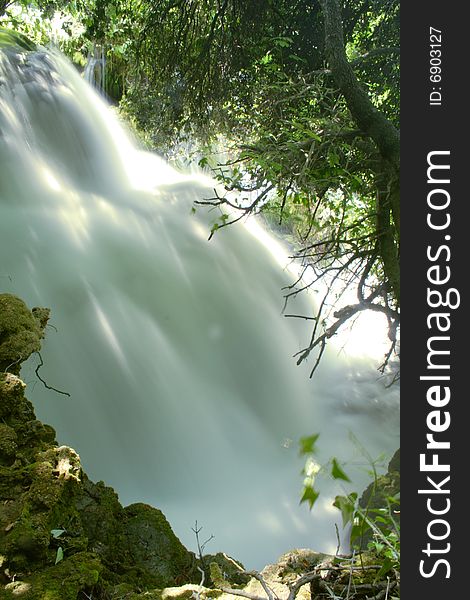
(367, 117)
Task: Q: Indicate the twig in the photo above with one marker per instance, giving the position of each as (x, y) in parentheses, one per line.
(350, 574)
(241, 593)
(383, 594)
(42, 380)
(388, 587)
(197, 595)
(200, 547)
(307, 578)
(337, 539)
(269, 592)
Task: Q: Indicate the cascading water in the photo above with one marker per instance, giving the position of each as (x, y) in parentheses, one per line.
(95, 70)
(184, 393)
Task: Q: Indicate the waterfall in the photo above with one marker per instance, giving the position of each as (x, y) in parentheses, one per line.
(95, 69)
(183, 390)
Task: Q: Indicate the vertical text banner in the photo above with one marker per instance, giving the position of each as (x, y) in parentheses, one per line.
(435, 256)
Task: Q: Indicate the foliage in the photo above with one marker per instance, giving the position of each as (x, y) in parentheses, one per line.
(310, 139)
(374, 527)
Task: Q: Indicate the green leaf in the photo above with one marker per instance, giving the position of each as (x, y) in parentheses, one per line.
(387, 564)
(59, 555)
(346, 505)
(337, 472)
(313, 135)
(307, 444)
(283, 42)
(267, 58)
(56, 533)
(358, 530)
(333, 159)
(309, 495)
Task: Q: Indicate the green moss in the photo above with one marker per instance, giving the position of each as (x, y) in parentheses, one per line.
(8, 445)
(189, 591)
(232, 569)
(20, 332)
(217, 577)
(156, 549)
(14, 408)
(60, 582)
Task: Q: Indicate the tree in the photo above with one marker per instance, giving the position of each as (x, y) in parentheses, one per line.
(34, 18)
(306, 97)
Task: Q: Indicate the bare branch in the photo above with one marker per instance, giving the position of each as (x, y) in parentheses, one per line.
(269, 592)
(42, 380)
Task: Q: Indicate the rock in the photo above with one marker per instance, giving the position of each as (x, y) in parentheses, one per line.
(8, 445)
(230, 568)
(376, 497)
(155, 548)
(63, 581)
(388, 485)
(20, 332)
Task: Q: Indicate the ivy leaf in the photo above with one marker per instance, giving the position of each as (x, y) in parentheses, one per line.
(309, 495)
(307, 444)
(60, 555)
(337, 472)
(56, 533)
(346, 505)
(387, 565)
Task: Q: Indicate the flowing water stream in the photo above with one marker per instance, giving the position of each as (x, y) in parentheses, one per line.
(183, 390)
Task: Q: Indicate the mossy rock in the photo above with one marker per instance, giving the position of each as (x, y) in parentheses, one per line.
(383, 494)
(8, 444)
(385, 486)
(43, 489)
(190, 590)
(14, 408)
(63, 581)
(49, 508)
(20, 332)
(232, 572)
(155, 548)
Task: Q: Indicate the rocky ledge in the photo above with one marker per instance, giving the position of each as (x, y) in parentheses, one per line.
(63, 537)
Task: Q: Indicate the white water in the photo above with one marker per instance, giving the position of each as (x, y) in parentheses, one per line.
(184, 392)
